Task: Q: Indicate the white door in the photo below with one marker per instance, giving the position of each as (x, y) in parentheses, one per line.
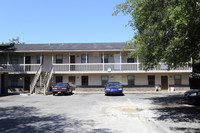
(117, 60)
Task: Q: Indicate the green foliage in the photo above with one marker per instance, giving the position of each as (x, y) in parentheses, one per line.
(166, 30)
(13, 40)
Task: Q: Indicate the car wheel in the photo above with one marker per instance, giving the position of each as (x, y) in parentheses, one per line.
(54, 94)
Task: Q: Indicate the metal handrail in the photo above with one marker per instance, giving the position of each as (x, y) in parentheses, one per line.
(34, 81)
(48, 80)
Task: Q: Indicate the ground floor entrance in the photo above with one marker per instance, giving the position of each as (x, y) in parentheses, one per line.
(84, 80)
(164, 83)
(27, 82)
(141, 81)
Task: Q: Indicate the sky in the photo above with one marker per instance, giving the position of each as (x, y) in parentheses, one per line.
(63, 21)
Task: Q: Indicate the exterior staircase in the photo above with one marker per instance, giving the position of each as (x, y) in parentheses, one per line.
(43, 86)
(35, 80)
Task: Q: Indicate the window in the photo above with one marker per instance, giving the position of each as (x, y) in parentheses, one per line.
(14, 60)
(105, 58)
(59, 79)
(131, 80)
(59, 59)
(177, 79)
(84, 58)
(14, 81)
(104, 80)
(38, 59)
(151, 80)
(130, 60)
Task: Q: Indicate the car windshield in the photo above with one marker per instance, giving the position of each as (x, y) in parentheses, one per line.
(60, 85)
(113, 84)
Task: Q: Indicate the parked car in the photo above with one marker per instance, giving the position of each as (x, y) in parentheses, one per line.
(61, 88)
(192, 96)
(113, 88)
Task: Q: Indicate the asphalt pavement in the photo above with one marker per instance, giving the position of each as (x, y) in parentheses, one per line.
(97, 113)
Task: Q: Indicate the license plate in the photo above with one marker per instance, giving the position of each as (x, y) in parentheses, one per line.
(59, 92)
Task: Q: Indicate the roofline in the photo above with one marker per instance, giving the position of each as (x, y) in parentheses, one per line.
(33, 51)
(71, 43)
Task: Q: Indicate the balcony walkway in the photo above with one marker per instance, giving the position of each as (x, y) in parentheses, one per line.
(93, 68)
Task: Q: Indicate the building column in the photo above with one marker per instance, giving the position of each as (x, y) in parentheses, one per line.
(137, 63)
(103, 61)
(86, 61)
(120, 61)
(8, 59)
(86, 58)
(52, 58)
(24, 60)
(40, 58)
(69, 61)
(23, 83)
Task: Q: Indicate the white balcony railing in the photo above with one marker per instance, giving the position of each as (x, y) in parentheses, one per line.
(93, 67)
(21, 67)
(112, 67)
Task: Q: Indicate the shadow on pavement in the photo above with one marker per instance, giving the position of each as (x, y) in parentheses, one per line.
(174, 110)
(30, 120)
(114, 95)
(64, 94)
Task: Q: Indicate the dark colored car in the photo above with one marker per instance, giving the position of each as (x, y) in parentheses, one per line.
(192, 96)
(113, 88)
(61, 88)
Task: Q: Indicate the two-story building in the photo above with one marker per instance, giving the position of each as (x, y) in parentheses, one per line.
(84, 65)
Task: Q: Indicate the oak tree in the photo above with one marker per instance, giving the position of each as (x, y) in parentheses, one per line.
(165, 30)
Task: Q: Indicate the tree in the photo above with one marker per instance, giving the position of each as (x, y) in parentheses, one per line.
(165, 30)
(13, 40)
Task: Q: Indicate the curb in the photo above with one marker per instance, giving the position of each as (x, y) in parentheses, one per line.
(132, 92)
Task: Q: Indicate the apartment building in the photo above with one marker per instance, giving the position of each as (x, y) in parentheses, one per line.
(36, 67)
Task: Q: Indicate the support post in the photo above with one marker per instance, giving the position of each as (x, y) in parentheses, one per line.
(8, 59)
(120, 61)
(24, 60)
(23, 83)
(40, 58)
(69, 61)
(103, 61)
(52, 58)
(86, 60)
(137, 63)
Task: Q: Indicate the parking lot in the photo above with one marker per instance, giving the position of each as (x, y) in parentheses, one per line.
(81, 113)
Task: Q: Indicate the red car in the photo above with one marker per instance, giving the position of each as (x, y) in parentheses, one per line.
(62, 88)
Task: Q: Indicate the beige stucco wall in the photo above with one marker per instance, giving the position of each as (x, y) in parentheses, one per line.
(64, 54)
(20, 57)
(140, 79)
(47, 61)
(94, 57)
